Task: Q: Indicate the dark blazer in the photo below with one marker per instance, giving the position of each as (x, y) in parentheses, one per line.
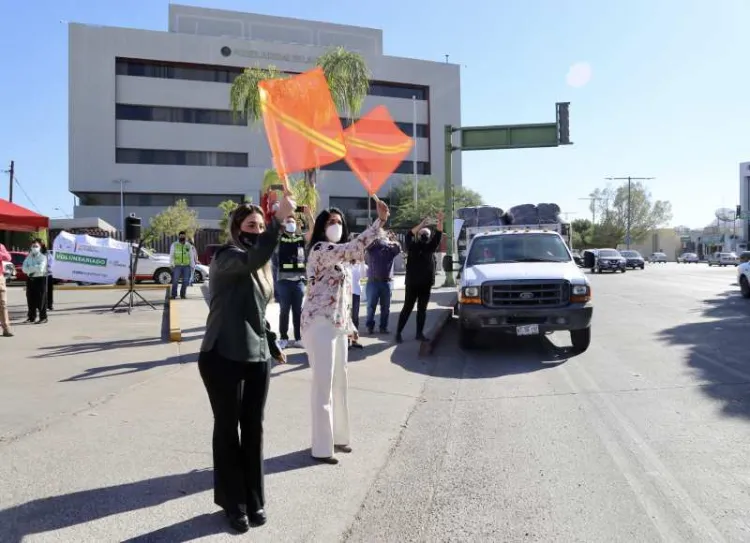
(236, 327)
(420, 262)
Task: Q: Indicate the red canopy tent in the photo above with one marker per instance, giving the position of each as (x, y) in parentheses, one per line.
(19, 219)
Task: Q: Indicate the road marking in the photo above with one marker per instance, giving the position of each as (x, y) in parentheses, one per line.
(650, 464)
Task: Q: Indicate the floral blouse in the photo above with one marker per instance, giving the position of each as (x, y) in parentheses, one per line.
(329, 279)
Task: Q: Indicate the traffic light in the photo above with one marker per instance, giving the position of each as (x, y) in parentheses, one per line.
(563, 123)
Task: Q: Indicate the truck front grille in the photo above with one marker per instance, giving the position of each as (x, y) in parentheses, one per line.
(526, 294)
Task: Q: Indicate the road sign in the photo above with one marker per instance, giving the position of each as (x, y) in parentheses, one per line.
(509, 136)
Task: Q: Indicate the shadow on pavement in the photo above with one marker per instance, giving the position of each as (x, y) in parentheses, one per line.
(117, 370)
(718, 350)
(60, 512)
(78, 347)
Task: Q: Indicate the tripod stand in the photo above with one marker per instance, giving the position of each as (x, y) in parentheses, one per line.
(131, 293)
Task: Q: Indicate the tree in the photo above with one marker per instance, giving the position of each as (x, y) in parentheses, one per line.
(173, 220)
(40, 234)
(302, 192)
(226, 207)
(348, 80)
(583, 231)
(610, 205)
(430, 200)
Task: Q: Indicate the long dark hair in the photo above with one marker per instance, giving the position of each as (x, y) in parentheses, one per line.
(319, 229)
(240, 213)
(42, 245)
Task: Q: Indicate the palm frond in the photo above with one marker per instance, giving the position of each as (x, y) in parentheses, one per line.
(348, 79)
(244, 96)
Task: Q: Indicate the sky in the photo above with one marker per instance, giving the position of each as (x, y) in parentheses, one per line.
(657, 89)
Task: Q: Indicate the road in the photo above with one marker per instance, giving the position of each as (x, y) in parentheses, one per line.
(642, 438)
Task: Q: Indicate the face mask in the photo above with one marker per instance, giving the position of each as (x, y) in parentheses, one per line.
(291, 227)
(334, 232)
(424, 237)
(35, 249)
(248, 239)
(182, 240)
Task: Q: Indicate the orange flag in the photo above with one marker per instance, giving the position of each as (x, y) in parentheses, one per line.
(375, 147)
(302, 125)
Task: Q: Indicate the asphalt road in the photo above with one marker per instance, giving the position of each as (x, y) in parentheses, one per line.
(645, 437)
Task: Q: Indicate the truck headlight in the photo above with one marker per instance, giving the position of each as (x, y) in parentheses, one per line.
(471, 292)
(580, 293)
(470, 295)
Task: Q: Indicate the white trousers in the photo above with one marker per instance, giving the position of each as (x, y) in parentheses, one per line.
(328, 354)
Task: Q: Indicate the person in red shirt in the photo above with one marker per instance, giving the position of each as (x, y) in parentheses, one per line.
(4, 318)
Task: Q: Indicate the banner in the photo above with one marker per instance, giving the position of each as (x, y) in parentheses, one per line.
(85, 259)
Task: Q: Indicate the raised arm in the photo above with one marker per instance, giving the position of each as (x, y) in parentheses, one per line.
(435, 241)
(233, 261)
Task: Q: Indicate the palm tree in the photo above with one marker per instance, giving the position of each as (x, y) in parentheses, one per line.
(348, 79)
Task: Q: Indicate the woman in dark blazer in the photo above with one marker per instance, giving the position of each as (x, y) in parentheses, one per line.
(235, 360)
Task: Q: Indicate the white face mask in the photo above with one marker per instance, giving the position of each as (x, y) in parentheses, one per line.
(291, 227)
(35, 249)
(334, 232)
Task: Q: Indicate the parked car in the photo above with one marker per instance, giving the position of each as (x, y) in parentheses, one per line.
(658, 258)
(633, 259)
(743, 278)
(688, 258)
(744, 257)
(156, 267)
(723, 259)
(9, 271)
(207, 255)
(17, 258)
(577, 258)
(609, 260)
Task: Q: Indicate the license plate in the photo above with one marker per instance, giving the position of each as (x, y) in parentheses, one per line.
(527, 330)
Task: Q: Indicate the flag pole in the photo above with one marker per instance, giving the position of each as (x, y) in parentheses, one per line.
(414, 137)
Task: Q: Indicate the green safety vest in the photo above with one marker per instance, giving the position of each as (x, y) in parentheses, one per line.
(182, 254)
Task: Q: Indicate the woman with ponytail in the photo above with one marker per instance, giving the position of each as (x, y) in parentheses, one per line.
(327, 325)
(235, 359)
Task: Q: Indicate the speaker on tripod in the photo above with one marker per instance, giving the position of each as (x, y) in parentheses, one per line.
(133, 236)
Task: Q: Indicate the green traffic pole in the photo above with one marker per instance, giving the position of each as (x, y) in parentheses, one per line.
(448, 222)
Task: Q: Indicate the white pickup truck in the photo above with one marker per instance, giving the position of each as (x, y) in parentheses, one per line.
(524, 282)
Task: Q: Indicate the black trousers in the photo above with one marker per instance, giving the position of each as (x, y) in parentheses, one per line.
(415, 294)
(355, 310)
(36, 297)
(50, 291)
(237, 392)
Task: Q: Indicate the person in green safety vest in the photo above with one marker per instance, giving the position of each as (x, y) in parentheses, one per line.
(291, 263)
(182, 257)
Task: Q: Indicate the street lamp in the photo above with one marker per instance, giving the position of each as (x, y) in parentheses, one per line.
(122, 183)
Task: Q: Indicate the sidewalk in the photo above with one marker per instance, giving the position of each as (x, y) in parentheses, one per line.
(135, 464)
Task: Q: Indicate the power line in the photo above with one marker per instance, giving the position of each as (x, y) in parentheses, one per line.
(15, 178)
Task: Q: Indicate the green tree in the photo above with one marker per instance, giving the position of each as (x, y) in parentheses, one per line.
(610, 205)
(40, 234)
(302, 192)
(348, 80)
(173, 220)
(226, 207)
(583, 232)
(430, 200)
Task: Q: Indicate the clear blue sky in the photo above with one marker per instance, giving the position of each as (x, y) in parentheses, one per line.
(668, 96)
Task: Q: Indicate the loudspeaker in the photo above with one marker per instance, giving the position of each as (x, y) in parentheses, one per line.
(132, 228)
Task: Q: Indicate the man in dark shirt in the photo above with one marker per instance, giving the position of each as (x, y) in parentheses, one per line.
(379, 258)
(421, 245)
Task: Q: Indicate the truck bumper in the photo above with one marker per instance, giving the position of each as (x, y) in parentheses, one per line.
(571, 317)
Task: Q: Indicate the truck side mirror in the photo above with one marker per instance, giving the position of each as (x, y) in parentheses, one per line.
(589, 261)
(448, 263)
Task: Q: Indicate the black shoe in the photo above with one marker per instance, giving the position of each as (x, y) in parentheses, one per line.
(42, 321)
(384, 331)
(356, 345)
(183, 296)
(29, 321)
(399, 339)
(421, 337)
(50, 308)
(259, 518)
(238, 520)
(327, 460)
(371, 331)
(343, 448)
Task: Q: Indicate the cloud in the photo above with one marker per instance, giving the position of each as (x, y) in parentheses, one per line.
(579, 74)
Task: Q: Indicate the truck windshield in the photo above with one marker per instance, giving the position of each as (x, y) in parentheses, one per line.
(531, 247)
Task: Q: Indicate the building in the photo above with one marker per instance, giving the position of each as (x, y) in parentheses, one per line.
(149, 111)
(745, 203)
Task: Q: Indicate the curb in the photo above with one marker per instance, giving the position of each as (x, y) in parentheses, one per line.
(435, 331)
(173, 318)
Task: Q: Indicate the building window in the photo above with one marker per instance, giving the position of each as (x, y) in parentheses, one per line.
(181, 158)
(226, 74)
(406, 167)
(423, 130)
(150, 199)
(128, 112)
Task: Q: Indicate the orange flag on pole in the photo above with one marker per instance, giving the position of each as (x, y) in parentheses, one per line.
(375, 147)
(302, 124)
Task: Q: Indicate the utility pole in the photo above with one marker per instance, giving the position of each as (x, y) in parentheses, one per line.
(629, 180)
(12, 174)
(592, 202)
(568, 213)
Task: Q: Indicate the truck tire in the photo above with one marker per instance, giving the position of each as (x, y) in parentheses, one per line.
(466, 338)
(744, 287)
(581, 339)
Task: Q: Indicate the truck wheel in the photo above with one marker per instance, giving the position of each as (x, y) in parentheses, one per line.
(581, 339)
(744, 287)
(466, 338)
(623, 270)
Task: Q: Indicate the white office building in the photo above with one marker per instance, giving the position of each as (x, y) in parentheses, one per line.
(149, 111)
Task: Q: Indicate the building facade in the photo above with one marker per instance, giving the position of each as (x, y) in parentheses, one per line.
(745, 202)
(150, 121)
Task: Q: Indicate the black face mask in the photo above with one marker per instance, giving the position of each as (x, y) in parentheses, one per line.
(424, 238)
(248, 239)
(182, 240)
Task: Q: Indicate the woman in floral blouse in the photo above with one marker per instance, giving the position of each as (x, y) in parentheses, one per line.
(327, 323)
